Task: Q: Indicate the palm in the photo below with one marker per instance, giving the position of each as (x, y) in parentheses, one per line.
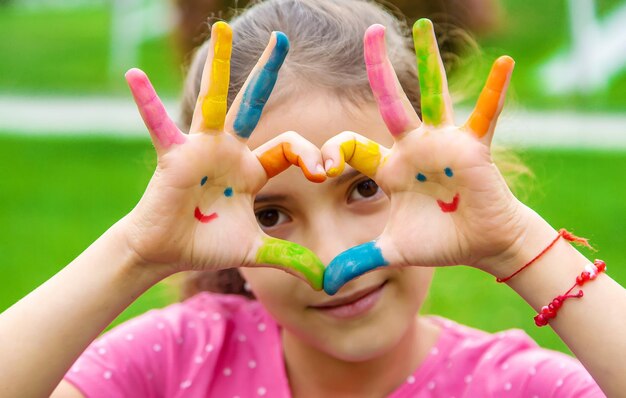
(197, 212)
(449, 217)
(449, 203)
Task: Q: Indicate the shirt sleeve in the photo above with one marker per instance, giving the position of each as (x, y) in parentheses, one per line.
(551, 374)
(156, 354)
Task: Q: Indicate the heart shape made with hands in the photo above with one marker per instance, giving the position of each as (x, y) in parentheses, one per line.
(435, 174)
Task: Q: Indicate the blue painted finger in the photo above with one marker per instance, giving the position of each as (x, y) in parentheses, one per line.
(258, 91)
(352, 263)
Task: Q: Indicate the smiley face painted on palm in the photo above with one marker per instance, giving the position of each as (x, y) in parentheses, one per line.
(446, 207)
(206, 218)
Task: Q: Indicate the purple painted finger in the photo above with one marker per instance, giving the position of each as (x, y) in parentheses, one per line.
(395, 108)
(163, 130)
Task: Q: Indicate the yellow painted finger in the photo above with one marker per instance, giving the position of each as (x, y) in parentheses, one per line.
(491, 98)
(365, 156)
(214, 102)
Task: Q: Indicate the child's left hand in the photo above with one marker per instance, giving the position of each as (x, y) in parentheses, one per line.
(449, 203)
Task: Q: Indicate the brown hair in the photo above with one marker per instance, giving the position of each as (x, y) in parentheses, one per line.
(326, 51)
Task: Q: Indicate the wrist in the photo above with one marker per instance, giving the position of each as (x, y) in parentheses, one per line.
(135, 265)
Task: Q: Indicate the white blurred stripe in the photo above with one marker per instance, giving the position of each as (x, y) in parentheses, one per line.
(119, 116)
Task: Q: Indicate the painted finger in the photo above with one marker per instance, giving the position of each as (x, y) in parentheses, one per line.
(163, 130)
(359, 152)
(210, 111)
(292, 258)
(353, 263)
(436, 102)
(246, 110)
(393, 104)
(482, 121)
(289, 149)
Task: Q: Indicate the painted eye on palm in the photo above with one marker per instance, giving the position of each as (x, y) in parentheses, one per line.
(446, 207)
(205, 218)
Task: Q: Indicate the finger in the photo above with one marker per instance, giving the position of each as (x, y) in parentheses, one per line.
(163, 130)
(393, 104)
(289, 149)
(353, 263)
(246, 110)
(482, 121)
(210, 111)
(292, 258)
(359, 152)
(436, 102)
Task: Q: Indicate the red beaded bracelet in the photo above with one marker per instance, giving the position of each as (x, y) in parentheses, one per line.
(568, 236)
(549, 311)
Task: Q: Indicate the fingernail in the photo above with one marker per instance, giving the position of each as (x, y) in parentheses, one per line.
(320, 169)
(328, 165)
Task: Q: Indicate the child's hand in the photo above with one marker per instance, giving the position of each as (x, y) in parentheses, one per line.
(449, 203)
(197, 212)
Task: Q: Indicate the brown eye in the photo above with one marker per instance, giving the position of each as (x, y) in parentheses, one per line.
(270, 218)
(364, 190)
(367, 188)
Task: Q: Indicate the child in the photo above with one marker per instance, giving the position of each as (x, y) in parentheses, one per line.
(446, 204)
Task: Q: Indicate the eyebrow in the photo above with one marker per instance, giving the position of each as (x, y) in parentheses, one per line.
(269, 198)
(347, 176)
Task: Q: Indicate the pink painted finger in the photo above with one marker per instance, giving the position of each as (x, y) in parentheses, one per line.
(163, 130)
(395, 108)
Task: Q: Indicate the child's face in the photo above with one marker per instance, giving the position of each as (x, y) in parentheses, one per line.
(329, 218)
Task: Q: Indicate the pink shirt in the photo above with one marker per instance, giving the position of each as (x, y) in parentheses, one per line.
(214, 345)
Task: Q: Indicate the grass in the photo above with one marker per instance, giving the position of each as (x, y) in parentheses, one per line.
(60, 194)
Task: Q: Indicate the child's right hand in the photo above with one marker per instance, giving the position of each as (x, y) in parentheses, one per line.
(197, 212)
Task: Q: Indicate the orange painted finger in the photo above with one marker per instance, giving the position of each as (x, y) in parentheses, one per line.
(491, 99)
(290, 149)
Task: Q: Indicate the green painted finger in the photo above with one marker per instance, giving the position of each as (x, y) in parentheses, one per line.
(292, 258)
(432, 77)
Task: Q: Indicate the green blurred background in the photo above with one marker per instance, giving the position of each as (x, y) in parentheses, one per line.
(59, 193)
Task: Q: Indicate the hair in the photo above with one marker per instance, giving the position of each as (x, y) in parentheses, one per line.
(326, 52)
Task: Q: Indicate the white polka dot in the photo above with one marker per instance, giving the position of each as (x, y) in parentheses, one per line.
(532, 371)
(410, 379)
(129, 336)
(216, 316)
(508, 386)
(504, 366)
(468, 379)
(261, 327)
(185, 384)
(559, 382)
(107, 374)
(76, 369)
(434, 351)
(202, 314)
(261, 391)
(227, 371)
(157, 347)
(191, 324)
(208, 348)
(179, 340)
(102, 351)
(431, 385)
(252, 364)
(160, 325)
(198, 359)
(242, 338)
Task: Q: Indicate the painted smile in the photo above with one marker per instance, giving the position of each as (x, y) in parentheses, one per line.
(449, 207)
(204, 218)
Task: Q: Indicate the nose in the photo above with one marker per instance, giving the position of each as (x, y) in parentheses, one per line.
(329, 235)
